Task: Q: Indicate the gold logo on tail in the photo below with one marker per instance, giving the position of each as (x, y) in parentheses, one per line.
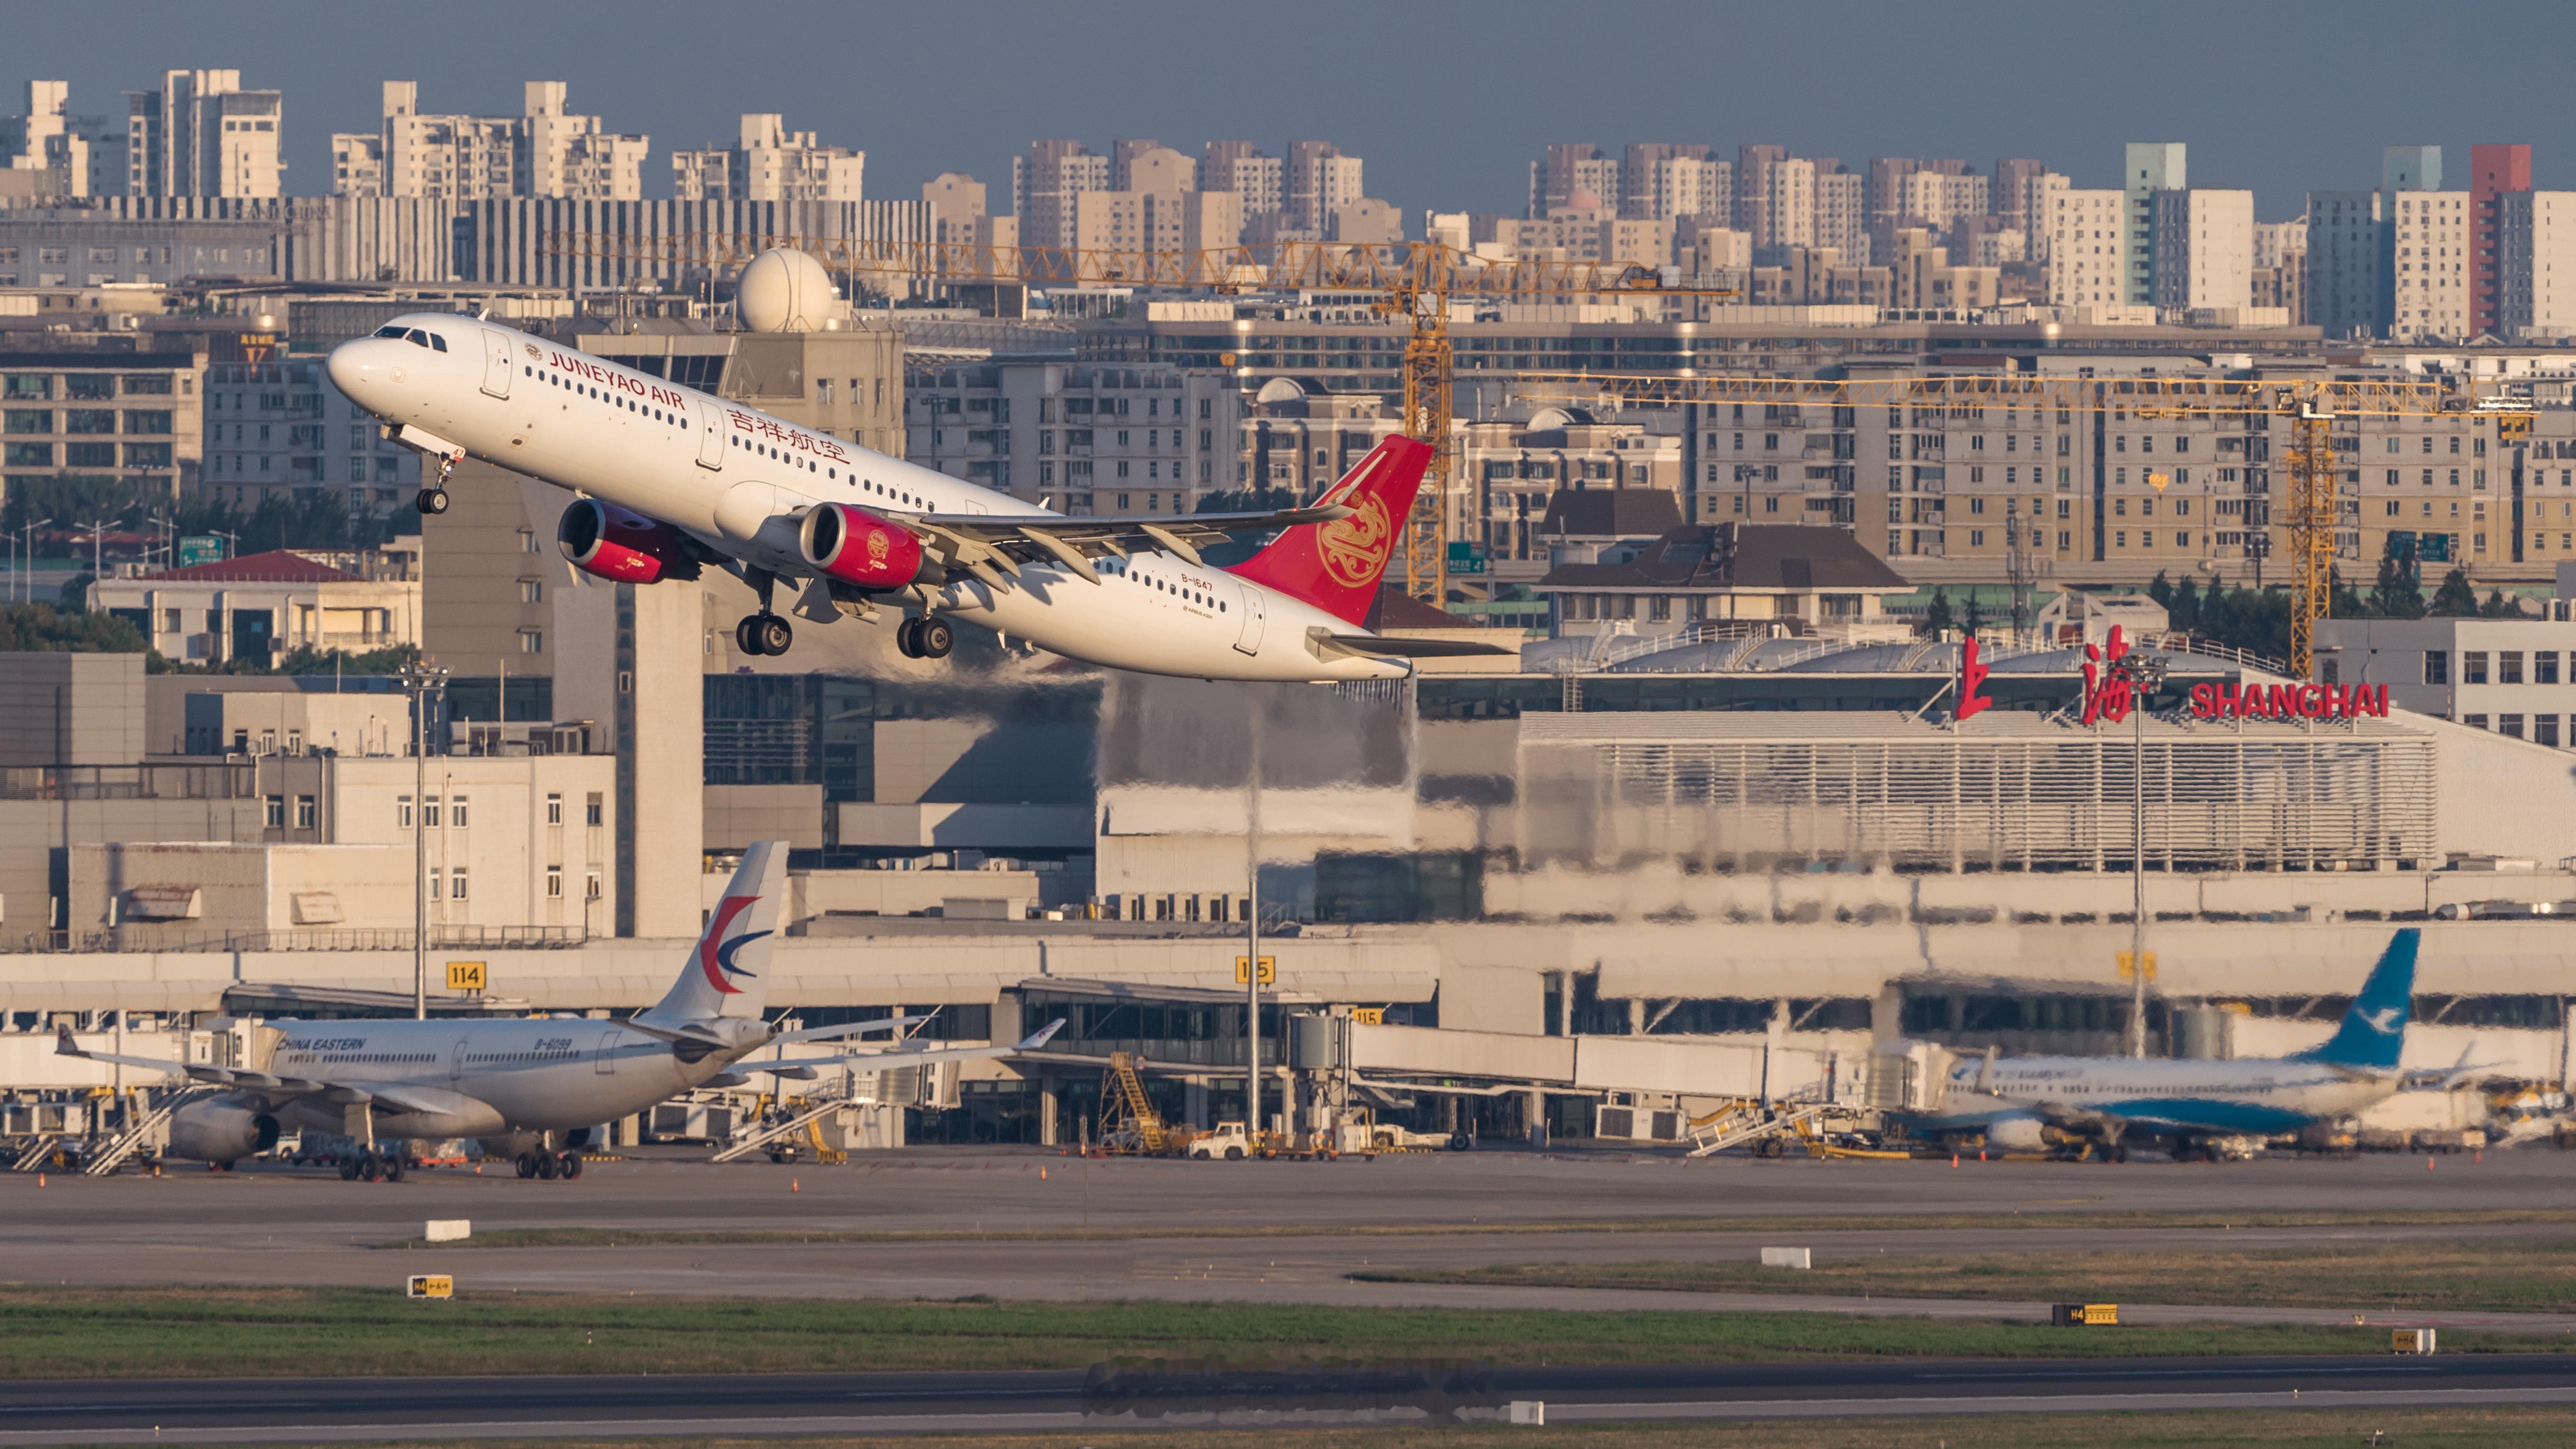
(1355, 548)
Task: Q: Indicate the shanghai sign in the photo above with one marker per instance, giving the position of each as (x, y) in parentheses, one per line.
(2289, 701)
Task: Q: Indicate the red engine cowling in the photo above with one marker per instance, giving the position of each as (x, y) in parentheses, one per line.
(610, 542)
(858, 547)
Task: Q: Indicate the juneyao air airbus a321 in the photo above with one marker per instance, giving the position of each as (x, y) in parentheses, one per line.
(673, 481)
(383, 1081)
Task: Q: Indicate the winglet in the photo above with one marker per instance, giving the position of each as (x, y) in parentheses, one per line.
(1039, 1037)
(64, 1046)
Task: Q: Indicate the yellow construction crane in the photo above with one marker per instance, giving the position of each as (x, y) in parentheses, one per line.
(1413, 280)
(2309, 405)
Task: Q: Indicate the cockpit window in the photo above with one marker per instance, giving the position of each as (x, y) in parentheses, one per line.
(417, 338)
(388, 332)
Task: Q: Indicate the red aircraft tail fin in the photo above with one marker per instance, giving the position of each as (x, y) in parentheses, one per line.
(1336, 566)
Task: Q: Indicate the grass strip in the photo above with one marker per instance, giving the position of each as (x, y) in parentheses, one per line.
(2103, 1221)
(53, 1332)
(2505, 1427)
(2505, 1275)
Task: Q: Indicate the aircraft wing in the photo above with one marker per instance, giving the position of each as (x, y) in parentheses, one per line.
(850, 1028)
(1379, 644)
(890, 1059)
(1003, 541)
(2062, 1114)
(274, 1088)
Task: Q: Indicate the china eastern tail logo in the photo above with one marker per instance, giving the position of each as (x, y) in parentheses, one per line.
(715, 953)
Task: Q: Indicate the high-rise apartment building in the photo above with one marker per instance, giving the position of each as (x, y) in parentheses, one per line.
(2495, 171)
(2280, 277)
(2150, 167)
(1842, 214)
(201, 134)
(2348, 262)
(540, 152)
(1242, 168)
(2535, 231)
(2428, 277)
(2203, 248)
(2039, 202)
(2086, 247)
(1320, 178)
(80, 156)
(1044, 184)
(768, 162)
(1646, 172)
(955, 202)
(1568, 167)
(2410, 168)
(1754, 184)
(2010, 193)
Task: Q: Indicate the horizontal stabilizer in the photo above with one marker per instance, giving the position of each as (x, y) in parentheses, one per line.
(1382, 645)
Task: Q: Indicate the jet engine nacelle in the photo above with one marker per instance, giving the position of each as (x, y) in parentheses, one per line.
(609, 542)
(859, 547)
(220, 1131)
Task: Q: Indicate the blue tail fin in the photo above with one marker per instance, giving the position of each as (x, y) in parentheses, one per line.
(2374, 1030)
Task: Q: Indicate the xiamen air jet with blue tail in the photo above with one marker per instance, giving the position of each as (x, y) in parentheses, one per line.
(2103, 1102)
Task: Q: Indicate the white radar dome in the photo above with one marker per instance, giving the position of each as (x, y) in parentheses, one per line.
(785, 291)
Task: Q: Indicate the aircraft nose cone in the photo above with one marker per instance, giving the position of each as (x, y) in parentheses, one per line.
(358, 369)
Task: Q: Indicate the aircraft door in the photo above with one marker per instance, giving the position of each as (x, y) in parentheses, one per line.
(496, 362)
(608, 1052)
(711, 434)
(456, 1056)
(1249, 641)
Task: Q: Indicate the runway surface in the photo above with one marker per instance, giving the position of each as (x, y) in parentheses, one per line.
(350, 1410)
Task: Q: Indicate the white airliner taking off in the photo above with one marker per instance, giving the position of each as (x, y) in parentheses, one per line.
(672, 480)
(380, 1081)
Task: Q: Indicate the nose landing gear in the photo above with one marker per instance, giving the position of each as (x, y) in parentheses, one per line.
(928, 637)
(433, 499)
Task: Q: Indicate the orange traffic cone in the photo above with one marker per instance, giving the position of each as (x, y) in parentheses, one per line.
(2428, 1164)
(795, 1186)
(1954, 1159)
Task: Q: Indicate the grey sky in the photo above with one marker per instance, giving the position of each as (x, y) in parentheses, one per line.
(1448, 102)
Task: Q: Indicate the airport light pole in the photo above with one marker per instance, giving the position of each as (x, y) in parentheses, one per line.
(2144, 674)
(426, 684)
(1252, 930)
(28, 530)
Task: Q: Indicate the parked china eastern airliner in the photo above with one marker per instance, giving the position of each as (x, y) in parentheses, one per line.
(381, 1081)
(672, 480)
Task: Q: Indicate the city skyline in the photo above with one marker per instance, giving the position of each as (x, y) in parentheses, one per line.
(1451, 136)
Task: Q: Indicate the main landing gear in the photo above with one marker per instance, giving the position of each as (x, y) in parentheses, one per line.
(763, 634)
(548, 1166)
(928, 637)
(373, 1166)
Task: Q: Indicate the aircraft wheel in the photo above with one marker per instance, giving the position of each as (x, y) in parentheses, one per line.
(431, 502)
(936, 638)
(773, 633)
(371, 1168)
(348, 1169)
(527, 1164)
(907, 638)
(746, 635)
(1458, 1142)
(571, 1166)
(394, 1165)
(549, 1167)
